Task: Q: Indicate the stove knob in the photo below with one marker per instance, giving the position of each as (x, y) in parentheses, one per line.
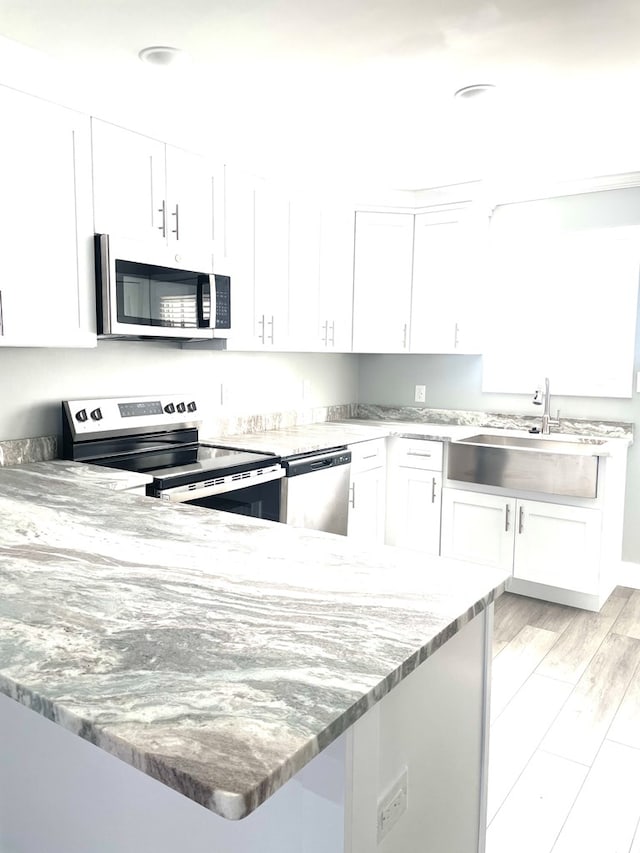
(181, 407)
(169, 408)
(81, 415)
(191, 407)
(96, 415)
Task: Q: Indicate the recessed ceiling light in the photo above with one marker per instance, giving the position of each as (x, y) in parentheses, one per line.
(161, 55)
(478, 90)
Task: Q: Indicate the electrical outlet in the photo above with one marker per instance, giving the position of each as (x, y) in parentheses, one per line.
(421, 394)
(392, 806)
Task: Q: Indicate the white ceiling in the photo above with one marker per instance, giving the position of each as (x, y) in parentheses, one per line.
(363, 88)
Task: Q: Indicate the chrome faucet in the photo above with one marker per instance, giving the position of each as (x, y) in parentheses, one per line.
(538, 400)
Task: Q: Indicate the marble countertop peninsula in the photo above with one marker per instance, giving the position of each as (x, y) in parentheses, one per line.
(81, 473)
(216, 653)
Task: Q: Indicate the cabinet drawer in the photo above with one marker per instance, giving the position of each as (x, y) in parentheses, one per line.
(418, 453)
(366, 455)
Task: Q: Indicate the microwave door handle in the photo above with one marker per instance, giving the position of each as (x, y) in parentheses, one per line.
(206, 302)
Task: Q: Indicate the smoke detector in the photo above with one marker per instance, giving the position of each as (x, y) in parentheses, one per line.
(477, 90)
(161, 55)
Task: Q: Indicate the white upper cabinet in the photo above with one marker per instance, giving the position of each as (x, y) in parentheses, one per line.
(447, 277)
(239, 255)
(271, 267)
(304, 275)
(47, 281)
(320, 277)
(336, 278)
(256, 256)
(150, 192)
(382, 282)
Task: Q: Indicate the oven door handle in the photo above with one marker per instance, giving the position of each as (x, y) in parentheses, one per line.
(181, 495)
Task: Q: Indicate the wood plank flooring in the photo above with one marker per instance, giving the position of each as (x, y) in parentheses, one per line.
(564, 754)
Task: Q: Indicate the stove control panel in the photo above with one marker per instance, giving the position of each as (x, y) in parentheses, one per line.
(86, 418)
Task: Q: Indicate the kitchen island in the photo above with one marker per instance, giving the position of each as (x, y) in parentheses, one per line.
(272, 684)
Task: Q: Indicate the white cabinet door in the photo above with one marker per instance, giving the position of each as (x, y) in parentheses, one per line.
(413, 511)
(46, 281)
(558, 545)
(129, 184)
(367, 506)
(154, 193)
(336, 279)
(478, 528)
(193, 187)
(239, 249)
(304, 276)
(271, 329)
(382, 282)
(447, 278)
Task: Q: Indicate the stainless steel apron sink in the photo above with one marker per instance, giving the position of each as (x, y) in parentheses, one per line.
(535, 464)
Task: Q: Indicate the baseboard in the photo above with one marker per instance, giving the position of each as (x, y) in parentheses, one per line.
(629, 575)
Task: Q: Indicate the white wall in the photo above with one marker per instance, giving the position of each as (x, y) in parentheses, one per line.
(33, 382)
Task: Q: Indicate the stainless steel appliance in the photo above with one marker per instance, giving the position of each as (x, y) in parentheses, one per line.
(315, 491)
(157, 298)
(159, 436)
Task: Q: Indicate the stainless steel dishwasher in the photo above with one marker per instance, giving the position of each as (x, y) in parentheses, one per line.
(315, 490)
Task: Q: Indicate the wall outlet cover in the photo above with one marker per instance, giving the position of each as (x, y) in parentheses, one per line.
(421, 394)
(393, 805)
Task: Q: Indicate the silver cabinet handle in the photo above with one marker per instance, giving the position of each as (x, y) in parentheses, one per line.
(404, 336)
(417, 453)
(455, 336)
(261, 323)
(176, 230)
(333, 333)
(163, 211)
(433, 490)
(521, 520)
(352, 499)
(325, 329)
(271, 323)
(507, 514)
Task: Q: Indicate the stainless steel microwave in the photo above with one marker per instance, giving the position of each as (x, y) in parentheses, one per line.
(156, 300)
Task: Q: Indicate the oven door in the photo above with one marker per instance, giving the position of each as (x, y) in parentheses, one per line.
(259, 501)
(258, 497)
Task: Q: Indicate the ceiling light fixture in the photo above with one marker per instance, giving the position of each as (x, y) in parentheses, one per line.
(161, 55)
(478, 90)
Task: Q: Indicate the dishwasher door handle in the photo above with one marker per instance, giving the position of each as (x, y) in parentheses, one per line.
(323, 463)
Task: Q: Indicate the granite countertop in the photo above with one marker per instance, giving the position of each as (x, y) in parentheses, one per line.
(294, 440)
(305, 438)
(81, 473)
(216, 653)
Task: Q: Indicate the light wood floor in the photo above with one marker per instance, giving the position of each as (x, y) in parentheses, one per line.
(564, 756)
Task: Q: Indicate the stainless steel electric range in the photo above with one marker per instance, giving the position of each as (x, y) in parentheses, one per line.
(159, 436)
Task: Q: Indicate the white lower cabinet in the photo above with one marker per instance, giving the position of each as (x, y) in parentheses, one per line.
(478, 527)
(368, 491)
(546, 543)
(557, 545)
(414, 494)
